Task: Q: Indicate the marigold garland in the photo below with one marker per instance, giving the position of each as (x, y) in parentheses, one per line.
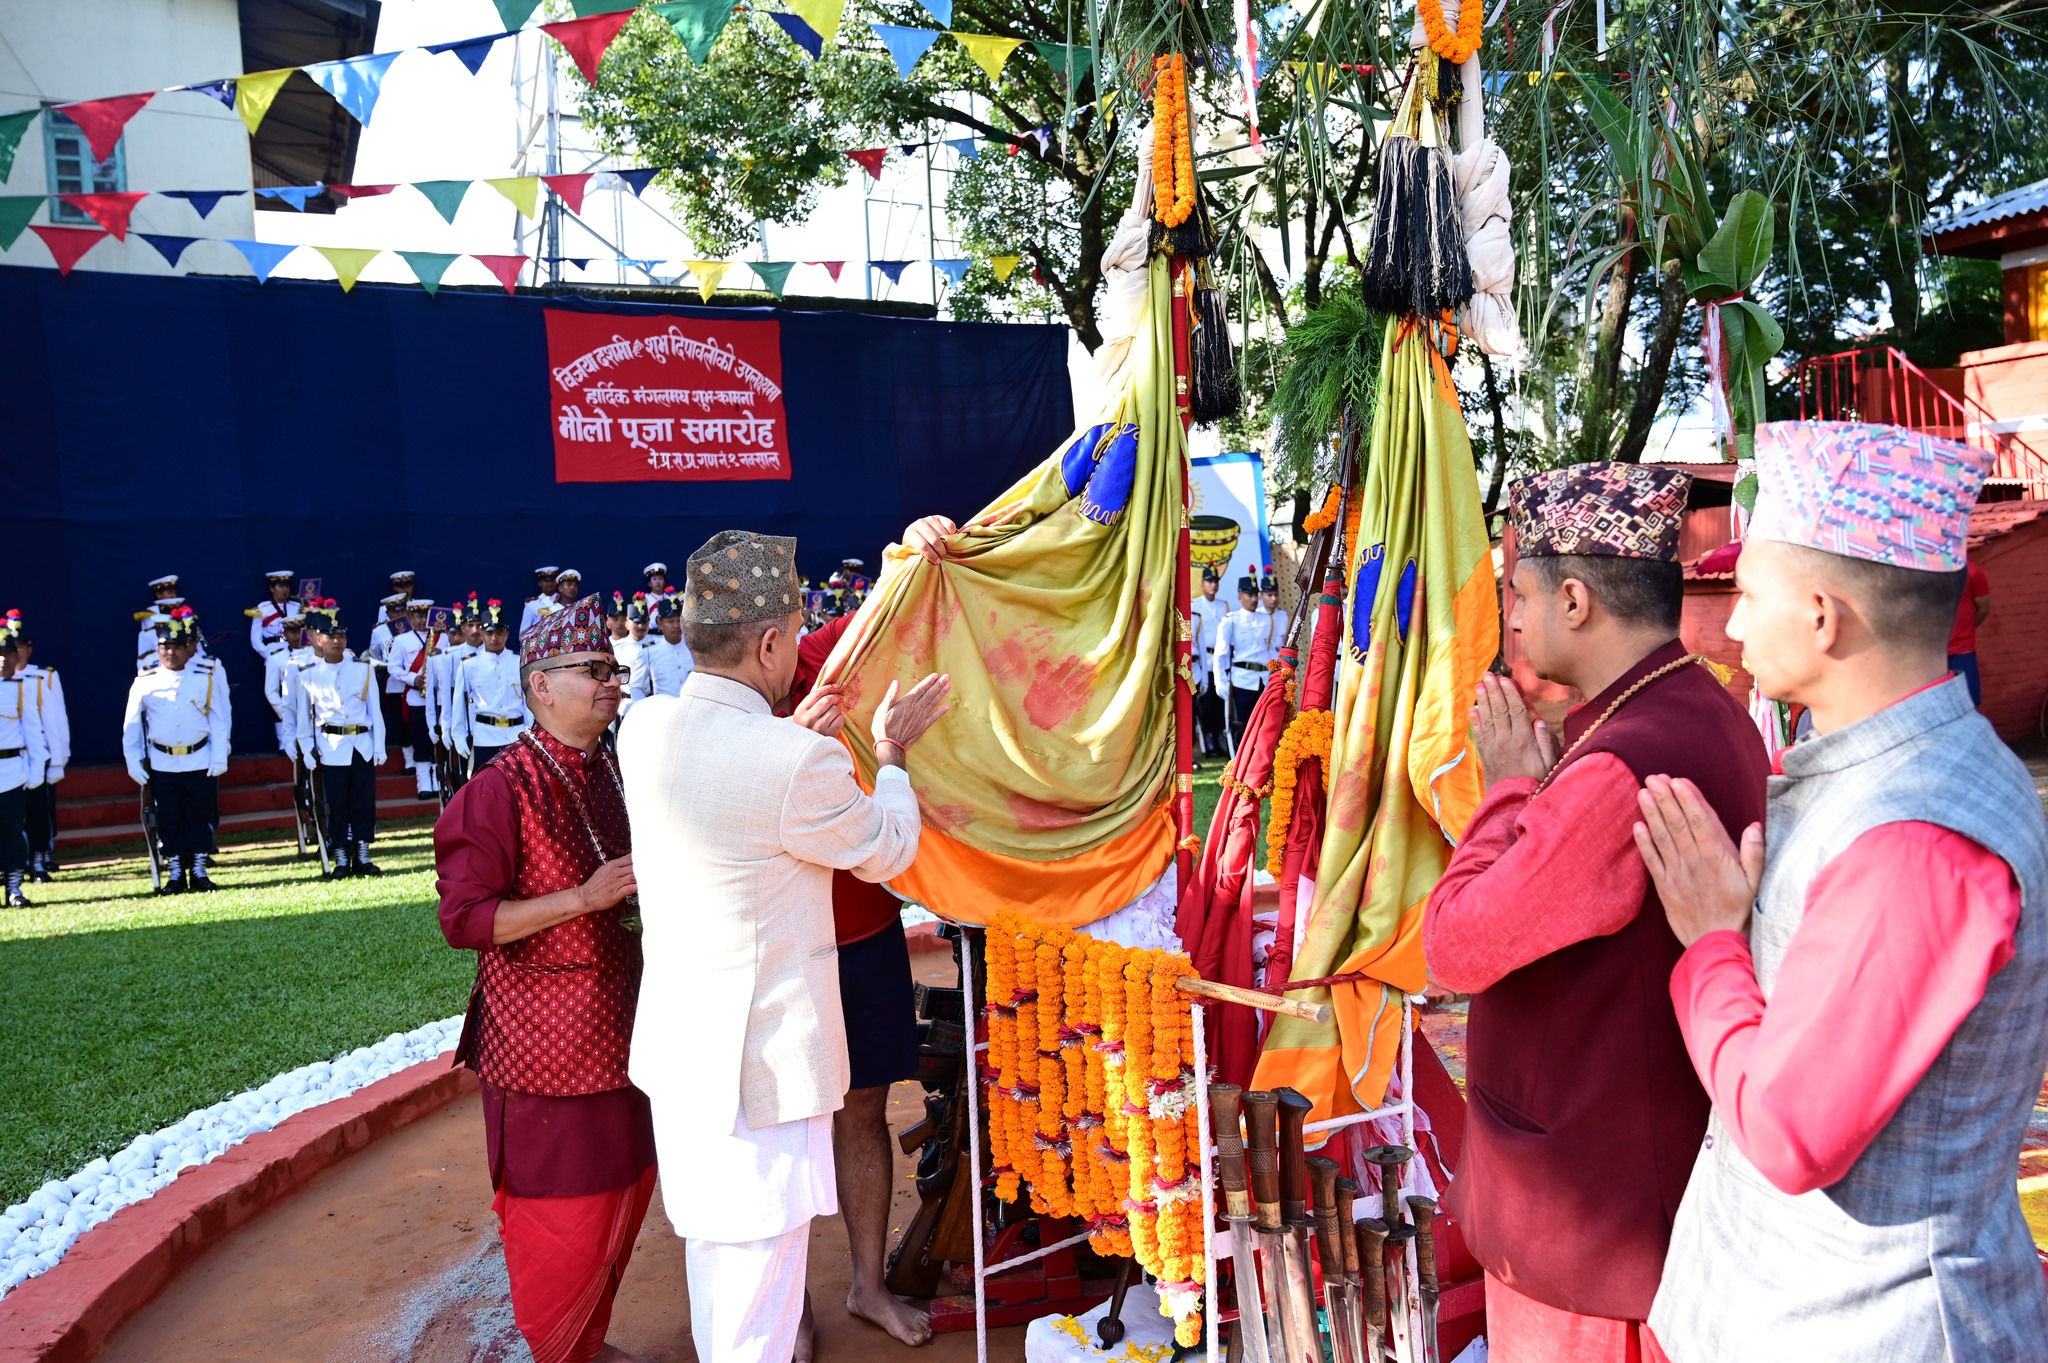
(1455, 48)
(1310, 734)
(1324, 516)
(1173, 155)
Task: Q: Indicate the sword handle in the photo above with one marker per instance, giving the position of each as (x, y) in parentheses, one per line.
(1390, 1159)
(1322, 1178)
(1294, 1110)
(1372, 1261)
(1423, 1209)
(1347, 1243)
(1224, 1106)
(1262, 1145)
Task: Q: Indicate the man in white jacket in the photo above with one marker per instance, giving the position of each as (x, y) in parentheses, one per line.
(738, 820)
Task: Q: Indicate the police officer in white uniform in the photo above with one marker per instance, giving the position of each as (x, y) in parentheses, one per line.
(23, 760)
(401, 592)
(468, 641)
(490, 704)
(543, 599)
(1245, 643)
(1269, 602)
(174, 737)
(281, 668)
(665, 662)
(628, 648)
(339, 726)
(1206, 614)
(656, 574)
(146, 637)
(406, 661)
(266, 618)
(56, 720)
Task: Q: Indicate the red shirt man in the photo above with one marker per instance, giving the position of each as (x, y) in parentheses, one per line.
(1973, 610)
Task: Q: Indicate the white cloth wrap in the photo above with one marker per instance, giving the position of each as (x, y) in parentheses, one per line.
(746, 1300)
(1126, 276)
(1147, 921)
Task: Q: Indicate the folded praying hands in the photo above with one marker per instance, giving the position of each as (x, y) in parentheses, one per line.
(1707, 884)
(1511, 742)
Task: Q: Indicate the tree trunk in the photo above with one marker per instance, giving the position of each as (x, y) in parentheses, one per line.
(1597, 420)
(1656, 371)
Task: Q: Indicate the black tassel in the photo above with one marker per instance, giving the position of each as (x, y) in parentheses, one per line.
(1212, 360)
(1388, 255)
(1194, 239)
(1442, 273)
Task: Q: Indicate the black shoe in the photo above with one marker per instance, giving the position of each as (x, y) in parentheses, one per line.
(201, 885)
(18, 900)
(368, 868)
(175, 885)
(40, 875)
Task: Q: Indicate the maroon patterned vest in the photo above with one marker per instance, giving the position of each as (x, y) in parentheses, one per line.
(552, 1014)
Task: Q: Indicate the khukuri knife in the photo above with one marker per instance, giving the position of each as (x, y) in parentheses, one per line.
(1322, 1182)
(1237, 1210)
(1262, 1154)
(1301, 1293)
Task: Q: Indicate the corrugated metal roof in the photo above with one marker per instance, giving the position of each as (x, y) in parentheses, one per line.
(2026, 199)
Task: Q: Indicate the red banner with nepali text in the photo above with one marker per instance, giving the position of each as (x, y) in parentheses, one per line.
(665, 399)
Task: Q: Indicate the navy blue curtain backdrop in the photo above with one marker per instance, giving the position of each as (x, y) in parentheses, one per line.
(217, 429)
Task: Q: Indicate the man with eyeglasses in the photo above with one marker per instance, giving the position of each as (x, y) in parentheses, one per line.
(535, 874)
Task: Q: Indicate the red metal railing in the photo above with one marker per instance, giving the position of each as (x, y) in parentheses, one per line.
(1880, 384)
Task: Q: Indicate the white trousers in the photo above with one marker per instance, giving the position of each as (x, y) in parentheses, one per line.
(747, 1299)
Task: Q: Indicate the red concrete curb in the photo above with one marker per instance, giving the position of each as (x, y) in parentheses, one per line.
(924, 937)
(117, 1268)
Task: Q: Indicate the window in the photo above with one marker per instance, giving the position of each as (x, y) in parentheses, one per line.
(2034, 281)
(72, 170)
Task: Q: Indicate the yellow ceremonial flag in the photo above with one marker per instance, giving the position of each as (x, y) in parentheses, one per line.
(254, 93)
(821, 15)
(988, 51)
(1002, 265)
(707, 274)
(523, 191)
(348, 262)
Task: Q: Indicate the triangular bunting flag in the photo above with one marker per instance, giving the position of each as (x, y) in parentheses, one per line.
(12, 126)
(832, 267)
(170, 248)
(355, 82)
(108, 210)
(348, 262)
(471, 52)
(586, 39)
(988, 51)
(295, 195)
(905, 45)
(68, 244)
(821, 16)
(585, 8)
(505, 269)
(255, 92)
(361, 191)
(870, 160)
(707, 273)
(800, 33)
(1044, 139)
(1073, 59)
(513, 14)
(892, 268)
(953, 270)
(967, 146)
(263, 256)
(522, 191)
(913, 148)
(428, 267)
(697, 23)
(221, 91)
(15, 211)
(580, 262)
(101, 120)
(1002, 265)
(444, 195)
(202, 200)
(773, 274)
(569, 188)
(941, 10)
(638, 180)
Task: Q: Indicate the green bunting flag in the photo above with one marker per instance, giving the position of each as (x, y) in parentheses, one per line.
(513, 14)
(586, 8)
(428, 267)
(773, 274)
(697, 23)
(1073, 58)
(12, 126)
(15, 211)
(444, 195)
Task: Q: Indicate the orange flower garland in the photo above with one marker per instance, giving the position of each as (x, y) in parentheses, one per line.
(1324, 516)
(1310, 734)
(1173, 154)
(1051, 1134)
(1455, 48)
(1001, 962)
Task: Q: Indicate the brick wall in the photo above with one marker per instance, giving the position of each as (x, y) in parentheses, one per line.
(2012, 646)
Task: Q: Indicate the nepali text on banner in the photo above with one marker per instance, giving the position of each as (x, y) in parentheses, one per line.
(665, 399)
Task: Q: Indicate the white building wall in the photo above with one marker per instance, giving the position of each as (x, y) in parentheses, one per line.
(60, 50)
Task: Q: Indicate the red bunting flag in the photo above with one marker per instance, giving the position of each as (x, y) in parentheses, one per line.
(361, 191)
(832, 267)
(569, 188)
(871, 160)
(68, 244)
(108, 210)
(101, 120)
(587, 39)
(505, 269)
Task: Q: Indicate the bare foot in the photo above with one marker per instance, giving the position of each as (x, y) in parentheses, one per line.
(906, 1323)
(806, 1334)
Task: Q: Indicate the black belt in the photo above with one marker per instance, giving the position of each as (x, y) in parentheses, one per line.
(177, 749)
(500, 723)
(7, 754)
(345, 730)
(1251, 667)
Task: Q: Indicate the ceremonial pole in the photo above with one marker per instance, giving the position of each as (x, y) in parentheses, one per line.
(1184, 675)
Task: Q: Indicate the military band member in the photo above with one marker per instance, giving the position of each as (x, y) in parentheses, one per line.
(23, 759)
(656, 574)
(1269, 602)
(393, 621)
(174, 737)
(401, 592)
(441, 669)
(1207, 611)
(1245, 643)
(339, 725)
(56, 720)
(629, 647)
(281, 673)
(146, 637)
(490, 704)
(665, 662)
(406, 663)
(543, 598)
(568, 586)
(266, 618)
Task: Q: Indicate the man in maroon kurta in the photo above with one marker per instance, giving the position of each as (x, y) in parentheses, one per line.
(1584, 1113)
(535, 875)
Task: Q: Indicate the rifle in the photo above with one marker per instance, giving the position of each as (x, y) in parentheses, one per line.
(942, 1229)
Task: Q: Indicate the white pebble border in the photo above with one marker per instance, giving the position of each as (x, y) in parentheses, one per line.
(35, 1234)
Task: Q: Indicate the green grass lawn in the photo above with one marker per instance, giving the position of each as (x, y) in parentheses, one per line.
(121, 1012)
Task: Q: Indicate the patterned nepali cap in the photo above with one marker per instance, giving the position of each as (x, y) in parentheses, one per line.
(577, 628)
(1604, 509)
(739, 576)
(1879, 493)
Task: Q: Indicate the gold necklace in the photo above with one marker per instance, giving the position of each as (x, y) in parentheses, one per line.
(1608, 713)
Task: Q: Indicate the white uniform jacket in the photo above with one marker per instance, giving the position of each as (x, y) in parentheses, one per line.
(281, 671)
(338, 714)
(490, 705)
(662, 669)
(177, 721)
(21, 735)
(1245, 643)
(408, 671)
(441, 690)
(1205, 620)
(266, 625)
(56, 719)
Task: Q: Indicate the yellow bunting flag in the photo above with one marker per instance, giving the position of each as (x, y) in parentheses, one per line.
(988, 51)
(348, 262)
(523, 191)
(821, 15)
(707, 274)
(254, 93)
(1002, 265)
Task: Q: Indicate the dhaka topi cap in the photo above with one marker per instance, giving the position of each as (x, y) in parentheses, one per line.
(655, 567)
(279, 575)
(167, 580)
(1601, 509)
(572, 629)
(1883, 494)
(739, 576)
(178, 627)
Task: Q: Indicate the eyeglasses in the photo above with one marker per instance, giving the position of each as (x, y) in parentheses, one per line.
(600, 670)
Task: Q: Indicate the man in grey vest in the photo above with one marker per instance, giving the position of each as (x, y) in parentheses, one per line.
(1865, 987)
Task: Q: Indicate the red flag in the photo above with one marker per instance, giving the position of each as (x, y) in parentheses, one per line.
(569, 188)
(68, 244)
(504, 268)
(587, 39)
(108, 210)
(832, 267)
(1301, 857)
(361, 191)
(871, 160)
(101, 120)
